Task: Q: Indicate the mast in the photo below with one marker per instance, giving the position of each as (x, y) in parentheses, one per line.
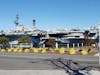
(17, 20)
(34, 21)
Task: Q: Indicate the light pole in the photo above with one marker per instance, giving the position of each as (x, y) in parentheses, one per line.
(99, 43)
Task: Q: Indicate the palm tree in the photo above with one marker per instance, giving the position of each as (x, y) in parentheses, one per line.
(4, 42)
(86, 38)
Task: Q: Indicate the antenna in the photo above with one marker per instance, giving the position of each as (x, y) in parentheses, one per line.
(17, 19)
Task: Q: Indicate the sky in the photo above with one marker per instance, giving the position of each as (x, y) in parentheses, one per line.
(50, 14)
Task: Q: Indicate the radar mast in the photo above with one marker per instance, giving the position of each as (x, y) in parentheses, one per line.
(17, 20)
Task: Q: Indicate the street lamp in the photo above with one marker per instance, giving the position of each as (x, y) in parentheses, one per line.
(99, 43)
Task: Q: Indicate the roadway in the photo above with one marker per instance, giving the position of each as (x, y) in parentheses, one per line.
(30, 61)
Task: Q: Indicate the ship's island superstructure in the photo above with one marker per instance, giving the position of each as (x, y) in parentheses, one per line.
(54, 38)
